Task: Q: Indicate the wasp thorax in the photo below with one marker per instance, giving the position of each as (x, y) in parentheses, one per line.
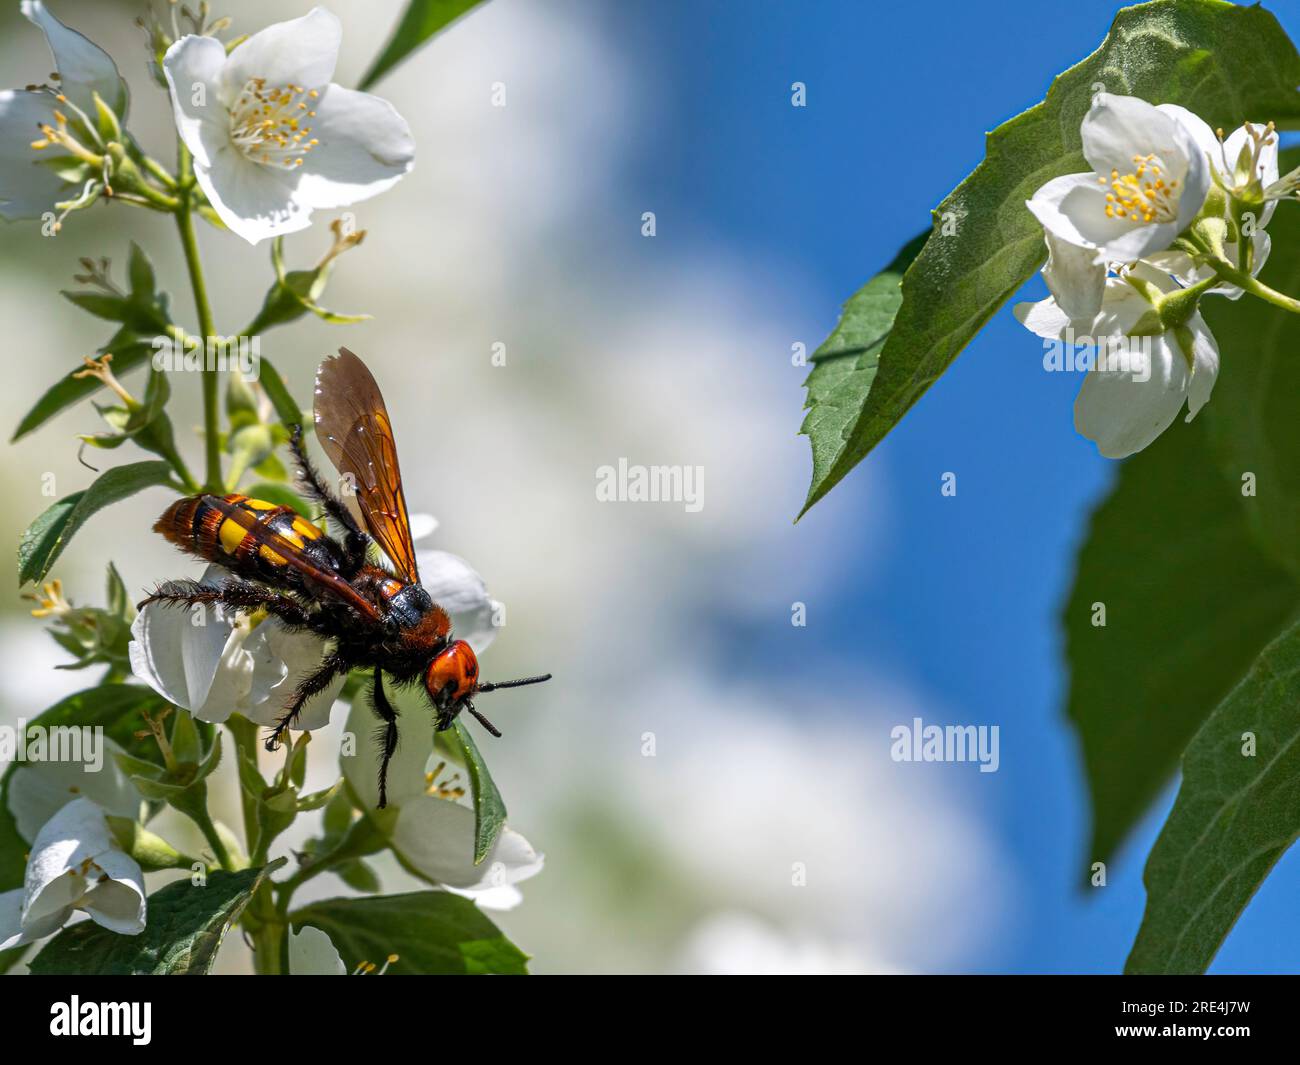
(452, 676)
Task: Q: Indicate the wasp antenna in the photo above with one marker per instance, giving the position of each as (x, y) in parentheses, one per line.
(484, 721)
(512, 683)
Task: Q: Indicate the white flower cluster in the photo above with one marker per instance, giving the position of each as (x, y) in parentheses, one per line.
(271, 136)
(1133, 243)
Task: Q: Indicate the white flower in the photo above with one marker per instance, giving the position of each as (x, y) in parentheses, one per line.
(1149, 180)
(74, 865)
(1139, 383)
(433, 836)
(28, 187)
(1246, 157)
(272, 138)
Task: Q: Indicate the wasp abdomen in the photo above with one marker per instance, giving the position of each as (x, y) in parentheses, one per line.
(196, 526)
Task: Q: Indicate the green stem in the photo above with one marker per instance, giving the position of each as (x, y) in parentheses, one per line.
(268, 947)
(361, 839)
(213, 481)
(209, 830)
(157, 170)
(244, 733)
(1227, 272)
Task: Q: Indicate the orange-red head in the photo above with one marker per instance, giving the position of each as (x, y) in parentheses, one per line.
(452, 679)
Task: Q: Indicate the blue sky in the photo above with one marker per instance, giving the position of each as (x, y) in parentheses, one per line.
(965, 605)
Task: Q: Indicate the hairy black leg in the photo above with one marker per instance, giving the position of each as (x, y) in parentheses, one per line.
(333, 665)
(387, 734)
(355, 541)
(237, 595)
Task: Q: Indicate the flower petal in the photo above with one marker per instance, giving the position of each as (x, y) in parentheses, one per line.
(38, 790)
(405, 772)
(180, 660)
(116, 901)
(1116, 128)
(193, 68)
(12, 931)
(27, 189)
(1205, 362)
(84, 68)
(302, 51)
(1123, 306)
(312, 953)
(435, 837)
(255, 202)
(1048, 205)
(364, 147)
(1121, 412)
(422, 525)
(1180, 265)
(505, 897)
(456, 586)
(1044, 319)
(299, 655)
(1073, 276)
(1199, 130)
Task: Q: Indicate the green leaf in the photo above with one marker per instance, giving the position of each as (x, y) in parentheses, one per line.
(129, 351)
(49, 534)
(489, 807)
(185, 927)
(295, 292)
(359, 876)
(101, 304)
(845, 365)
(1234, 817)
(116, 708)
(1252, 415)
(421, 20)
(140, 274)
(431, 932)
(1189, 602)
(1224, 62)
(273, 385)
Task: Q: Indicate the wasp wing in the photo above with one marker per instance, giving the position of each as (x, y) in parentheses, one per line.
(293, 556)
(353, 427)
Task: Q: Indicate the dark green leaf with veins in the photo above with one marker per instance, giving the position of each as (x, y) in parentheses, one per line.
(185, 926)
(431, 932)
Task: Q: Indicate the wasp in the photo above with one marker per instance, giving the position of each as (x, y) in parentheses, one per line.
(367, 616)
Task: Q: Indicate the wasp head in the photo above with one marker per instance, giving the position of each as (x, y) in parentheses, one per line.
(452, 679)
